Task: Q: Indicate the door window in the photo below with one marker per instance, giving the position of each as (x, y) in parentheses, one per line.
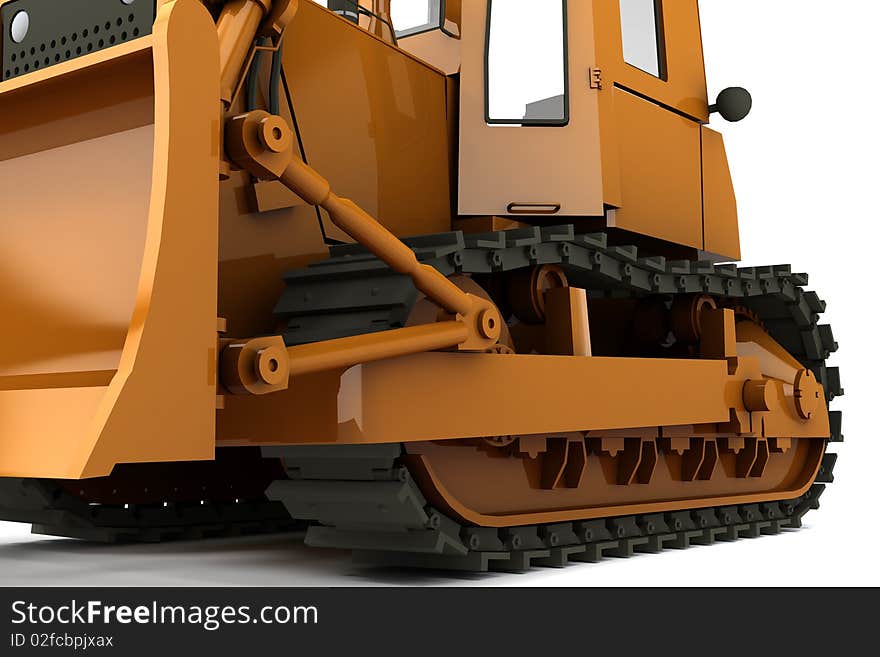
(526, 69)
(641, 26)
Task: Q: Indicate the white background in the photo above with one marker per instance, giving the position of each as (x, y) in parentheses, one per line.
(806, 173)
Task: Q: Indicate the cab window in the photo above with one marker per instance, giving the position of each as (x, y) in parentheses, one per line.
(526, 71)
(409, 17)
(415, 16)
(642, 31)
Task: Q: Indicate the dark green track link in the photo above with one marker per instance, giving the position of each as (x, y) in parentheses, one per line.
(360, 498)
(53, 511)
(353, 293)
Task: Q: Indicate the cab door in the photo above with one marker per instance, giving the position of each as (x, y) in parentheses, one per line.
(529, 121)
(652, 107)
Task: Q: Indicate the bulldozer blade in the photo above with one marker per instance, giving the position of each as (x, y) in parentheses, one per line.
(108, 252)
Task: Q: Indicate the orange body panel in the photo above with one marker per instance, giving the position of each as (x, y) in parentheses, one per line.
(660, 182)
(373, 120)
(720, 223)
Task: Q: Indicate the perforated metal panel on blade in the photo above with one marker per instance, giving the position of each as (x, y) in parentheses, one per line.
(41, 33)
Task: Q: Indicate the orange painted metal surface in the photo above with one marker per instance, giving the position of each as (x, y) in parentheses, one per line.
(507, 496)
(660, 179)
(373, 120)
(111, 279)
(408, 399)
(720, 222)
(437, 48)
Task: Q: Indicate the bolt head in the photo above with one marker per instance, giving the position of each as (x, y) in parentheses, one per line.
(807, 394)
(272, 366)
(275, 135)
(490, 324)
(19, 27)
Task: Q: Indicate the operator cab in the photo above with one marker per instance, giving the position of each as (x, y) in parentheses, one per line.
(575, 109)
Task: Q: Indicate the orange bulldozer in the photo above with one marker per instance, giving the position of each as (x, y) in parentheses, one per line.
(441, 282)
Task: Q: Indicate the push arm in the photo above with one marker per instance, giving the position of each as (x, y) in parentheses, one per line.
(262, 144)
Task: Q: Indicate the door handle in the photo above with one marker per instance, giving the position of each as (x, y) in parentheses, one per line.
(534, 208)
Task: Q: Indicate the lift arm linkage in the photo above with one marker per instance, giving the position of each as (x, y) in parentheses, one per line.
(262, 144)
